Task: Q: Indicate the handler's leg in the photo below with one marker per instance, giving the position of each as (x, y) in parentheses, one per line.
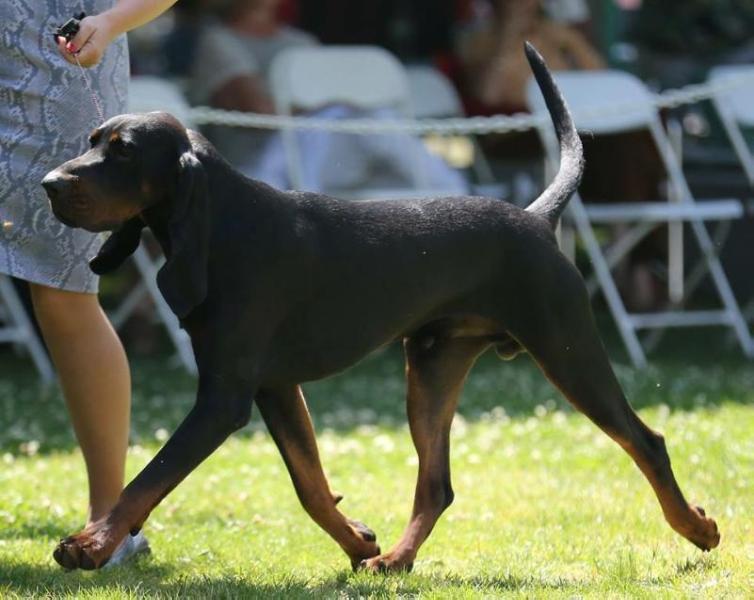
(435, 377)
(223, 405)
(563, 339)
(94, 375)
(285, 413)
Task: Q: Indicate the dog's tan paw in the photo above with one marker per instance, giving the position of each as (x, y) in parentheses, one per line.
(89, 549)
(703, 532)
(366, 546)
(390, 562)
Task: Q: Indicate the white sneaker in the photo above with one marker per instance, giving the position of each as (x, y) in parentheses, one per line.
(129, 548)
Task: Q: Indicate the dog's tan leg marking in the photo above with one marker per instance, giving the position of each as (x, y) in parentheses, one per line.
(436, 370)
(285, 413)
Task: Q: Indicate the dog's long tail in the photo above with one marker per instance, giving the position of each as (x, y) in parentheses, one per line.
(554, 199)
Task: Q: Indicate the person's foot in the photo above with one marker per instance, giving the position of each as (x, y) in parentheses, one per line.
(131, 547)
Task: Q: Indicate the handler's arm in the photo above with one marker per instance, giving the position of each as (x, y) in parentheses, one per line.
(96, 32)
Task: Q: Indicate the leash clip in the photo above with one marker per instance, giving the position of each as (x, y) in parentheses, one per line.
(70, 28)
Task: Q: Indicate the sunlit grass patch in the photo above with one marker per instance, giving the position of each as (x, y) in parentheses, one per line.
(546, 505)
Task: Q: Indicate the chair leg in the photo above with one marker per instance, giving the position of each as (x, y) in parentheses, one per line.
(681, 189)
(737, 321)
(620, 249)
(609, 289)
(25, 333)
(125, 309)
(566, 240)
(692, 283)
(148, 272)
(749, 311)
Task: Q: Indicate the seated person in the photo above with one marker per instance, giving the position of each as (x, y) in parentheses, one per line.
(234, 58)
(496, 71)
(622, 167)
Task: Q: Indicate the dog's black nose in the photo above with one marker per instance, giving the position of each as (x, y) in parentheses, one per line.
(54, 184)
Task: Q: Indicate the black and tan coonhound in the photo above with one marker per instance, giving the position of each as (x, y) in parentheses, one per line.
(279, 288)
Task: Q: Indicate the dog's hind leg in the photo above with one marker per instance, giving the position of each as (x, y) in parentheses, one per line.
(436, 369)
(563, 339)
(286, 416)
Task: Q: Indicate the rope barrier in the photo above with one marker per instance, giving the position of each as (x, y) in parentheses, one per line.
(690, 94)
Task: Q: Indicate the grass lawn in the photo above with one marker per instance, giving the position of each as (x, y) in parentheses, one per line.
(546, 505)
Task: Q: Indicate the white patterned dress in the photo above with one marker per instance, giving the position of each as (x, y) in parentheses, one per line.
(46, 115)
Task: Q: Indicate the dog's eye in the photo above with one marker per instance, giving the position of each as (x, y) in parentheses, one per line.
(94, 138)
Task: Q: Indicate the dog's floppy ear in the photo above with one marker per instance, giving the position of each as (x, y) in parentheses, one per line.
(118, 247)
(183, 278)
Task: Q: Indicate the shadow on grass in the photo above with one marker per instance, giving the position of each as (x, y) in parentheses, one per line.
(146, 578)
(701, 564)
(372, 392)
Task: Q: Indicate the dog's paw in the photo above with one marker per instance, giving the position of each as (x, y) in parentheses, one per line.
(390, 562)
(89, 549)
(366, 546)
(702, 532)
(363, 531)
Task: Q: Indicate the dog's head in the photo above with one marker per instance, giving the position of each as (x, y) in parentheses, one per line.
(139, 163)
(133, 163)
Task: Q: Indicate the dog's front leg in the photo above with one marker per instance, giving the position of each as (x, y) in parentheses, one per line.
(223, 405)
(286, 416)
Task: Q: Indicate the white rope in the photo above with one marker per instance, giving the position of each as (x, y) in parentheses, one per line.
(203, 115)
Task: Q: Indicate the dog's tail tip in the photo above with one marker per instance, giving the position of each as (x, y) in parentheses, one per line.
(532, 54)
(554, 199)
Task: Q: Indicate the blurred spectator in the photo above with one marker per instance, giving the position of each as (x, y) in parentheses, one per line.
(234, 55)
(179, 46)
(348, 22)
(415, 30)
(496, 71)
(620, 167)
(231, 70)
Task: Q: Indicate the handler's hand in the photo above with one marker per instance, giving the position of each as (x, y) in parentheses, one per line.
(89, 44)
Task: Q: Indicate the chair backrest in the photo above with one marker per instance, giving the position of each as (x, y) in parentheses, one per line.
(738, 95)
(365, 77)
(605, 102)
(601, 102)
(734, 101)
(432, 94)
(147, 94)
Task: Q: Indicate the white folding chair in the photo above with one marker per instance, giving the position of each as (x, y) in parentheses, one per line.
(605, 102)
(363, 77)
(17, 329)
(148, 94)
(433, 96)
(734, 102)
